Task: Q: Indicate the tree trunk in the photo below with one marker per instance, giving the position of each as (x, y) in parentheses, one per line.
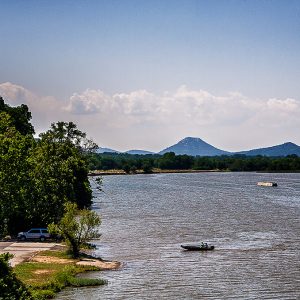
(75, 248)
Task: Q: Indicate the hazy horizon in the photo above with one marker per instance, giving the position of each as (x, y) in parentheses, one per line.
(145, 74)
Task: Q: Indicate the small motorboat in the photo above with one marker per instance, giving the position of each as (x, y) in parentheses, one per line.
(198, 247)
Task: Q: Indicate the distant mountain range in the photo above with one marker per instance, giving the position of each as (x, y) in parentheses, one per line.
(197, 147)
(139, 152)
(106, 150)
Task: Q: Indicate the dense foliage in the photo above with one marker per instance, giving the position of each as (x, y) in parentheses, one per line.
(170, 161)
(37, 176)
(10, 287)
(20, 117)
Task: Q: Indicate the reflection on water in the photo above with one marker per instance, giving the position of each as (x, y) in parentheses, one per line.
(145, 218)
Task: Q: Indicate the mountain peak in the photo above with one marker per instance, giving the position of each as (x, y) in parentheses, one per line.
(289, 144)
(191, 139)
(194, 146)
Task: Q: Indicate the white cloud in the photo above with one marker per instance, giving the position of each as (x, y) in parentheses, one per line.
(95, 101)
(287, 105)
(89, 102)
(44, 109)
(16, 94)
(140, 119)
(200, 107)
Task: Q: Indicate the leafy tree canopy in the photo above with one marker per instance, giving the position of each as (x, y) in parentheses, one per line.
(11, 287)
(77, 227)
(38, 177)
(14, 179)
(20, 117)
(67, 132)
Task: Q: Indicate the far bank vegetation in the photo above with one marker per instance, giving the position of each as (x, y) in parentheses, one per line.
(131, 164)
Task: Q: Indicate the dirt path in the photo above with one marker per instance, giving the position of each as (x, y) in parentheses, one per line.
(23, 250)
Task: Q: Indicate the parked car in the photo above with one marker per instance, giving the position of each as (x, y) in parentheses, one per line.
(34, 233)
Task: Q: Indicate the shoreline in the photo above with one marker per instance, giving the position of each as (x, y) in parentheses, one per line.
(154, 171)
(82, 261)
(46, 272)
(159, 171)
(24, 252)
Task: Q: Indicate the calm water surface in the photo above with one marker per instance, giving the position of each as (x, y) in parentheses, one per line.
(145, 218)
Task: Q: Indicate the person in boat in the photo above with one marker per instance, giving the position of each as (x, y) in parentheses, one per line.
(204, 245)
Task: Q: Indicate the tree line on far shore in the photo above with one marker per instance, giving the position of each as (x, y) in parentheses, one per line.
(169, 161)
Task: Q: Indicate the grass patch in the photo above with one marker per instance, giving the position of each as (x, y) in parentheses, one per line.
(56, 253)
(45, 279)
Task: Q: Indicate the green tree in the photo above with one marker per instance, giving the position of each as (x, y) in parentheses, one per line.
(14, 180)
(77, 227)
(20, 117)
(183, 162)
(167, 161)
(133, 169)
(10, 287)
(126, 168)
(60, 166)
(68, 133)
(38, 177)
(147, 167)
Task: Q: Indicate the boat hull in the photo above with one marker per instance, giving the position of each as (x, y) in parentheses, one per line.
(197, 248)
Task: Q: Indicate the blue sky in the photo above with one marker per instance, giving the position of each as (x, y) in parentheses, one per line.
(144, 74)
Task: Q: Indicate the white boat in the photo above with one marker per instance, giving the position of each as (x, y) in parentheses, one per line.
(266, 183)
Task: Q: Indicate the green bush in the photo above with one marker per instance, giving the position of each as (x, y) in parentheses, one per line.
(10, 286)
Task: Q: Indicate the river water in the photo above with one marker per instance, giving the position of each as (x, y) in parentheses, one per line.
(145, 219)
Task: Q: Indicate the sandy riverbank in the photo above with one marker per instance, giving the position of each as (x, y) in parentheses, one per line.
(29, 252)
(94, 262)
(47, 272)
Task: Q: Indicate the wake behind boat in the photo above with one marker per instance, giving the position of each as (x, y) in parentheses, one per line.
(198, 247)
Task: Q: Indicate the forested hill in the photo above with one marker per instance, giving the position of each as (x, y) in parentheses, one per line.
(194, 146)
(279, 150)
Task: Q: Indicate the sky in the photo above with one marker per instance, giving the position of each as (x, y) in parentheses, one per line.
(139, 74)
